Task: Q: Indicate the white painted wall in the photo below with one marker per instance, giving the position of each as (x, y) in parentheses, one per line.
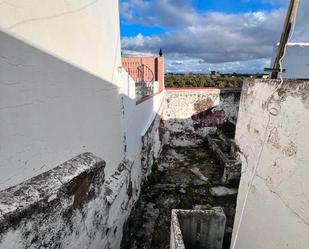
(84, 33)
(59, 85)
(137, 118)
(272, 133)
(296, 61)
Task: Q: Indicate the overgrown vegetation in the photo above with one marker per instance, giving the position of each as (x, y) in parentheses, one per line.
(180, 81)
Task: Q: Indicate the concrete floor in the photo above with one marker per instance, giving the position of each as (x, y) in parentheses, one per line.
(174, 186)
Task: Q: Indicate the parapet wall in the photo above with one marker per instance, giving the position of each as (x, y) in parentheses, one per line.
(61, 208)
(190, 114)
(272, 134)
(77, 205)
(73, 205)
(84, 202)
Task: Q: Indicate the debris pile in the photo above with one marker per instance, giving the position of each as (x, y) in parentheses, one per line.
(183, 178)
(225, 150)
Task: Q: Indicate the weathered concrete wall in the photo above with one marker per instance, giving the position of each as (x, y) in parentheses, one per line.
(62, 208)
(152, 143)
(70, 206)
(197, 229)
(60, 96)
(122, 190)
(190, 114)
(141, 123)
(122, 185)
(58, 85)
(272, 133)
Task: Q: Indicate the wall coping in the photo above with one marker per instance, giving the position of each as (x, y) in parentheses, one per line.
(210, 89)
(48, 185)
(138, 102)
(140, 57)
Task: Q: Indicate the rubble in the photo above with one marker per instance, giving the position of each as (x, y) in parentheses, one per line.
(182, 191)
(202, 207)
(223, 191)
(197, 172)
(176, 187)
(225, 150)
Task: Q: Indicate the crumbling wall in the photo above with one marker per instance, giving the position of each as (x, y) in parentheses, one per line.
(138, 117)
(152, 146)
(190, 114)
(56, 103)
(121, 190)
(70, 206)
(62, 208)
(272, 134)
(141, 121)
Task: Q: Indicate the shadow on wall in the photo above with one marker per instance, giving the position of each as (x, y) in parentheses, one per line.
(185, 118)
(205, 110)
(51, 111)
(149, 125)
(141, 126)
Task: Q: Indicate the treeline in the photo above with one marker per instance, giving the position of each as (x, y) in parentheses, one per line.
(180, 81)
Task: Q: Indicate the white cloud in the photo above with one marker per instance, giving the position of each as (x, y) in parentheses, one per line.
(217, 38)
(198, 66)
(210, 37)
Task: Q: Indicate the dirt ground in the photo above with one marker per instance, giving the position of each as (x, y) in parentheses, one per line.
(173, 185)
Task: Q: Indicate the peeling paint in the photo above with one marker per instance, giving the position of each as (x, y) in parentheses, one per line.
(203, 112)
(274, 201)
(39, 213)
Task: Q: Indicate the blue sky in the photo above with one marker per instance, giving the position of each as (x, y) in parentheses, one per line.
(226, 6)
(204, 35)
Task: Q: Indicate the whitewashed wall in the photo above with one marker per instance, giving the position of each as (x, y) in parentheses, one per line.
(84, 33)
(272, 133)
(295, 61)
(190, 114)
(59, 83)
(137, 117)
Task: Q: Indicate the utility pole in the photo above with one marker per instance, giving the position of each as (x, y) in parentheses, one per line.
(289, 22)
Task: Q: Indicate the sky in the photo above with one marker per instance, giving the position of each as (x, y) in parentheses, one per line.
(204, 35)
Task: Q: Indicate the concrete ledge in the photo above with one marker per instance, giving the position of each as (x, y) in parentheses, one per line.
(46, 210)
(197, 229)
(138, 102)
(61, 179)
(210, 89)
